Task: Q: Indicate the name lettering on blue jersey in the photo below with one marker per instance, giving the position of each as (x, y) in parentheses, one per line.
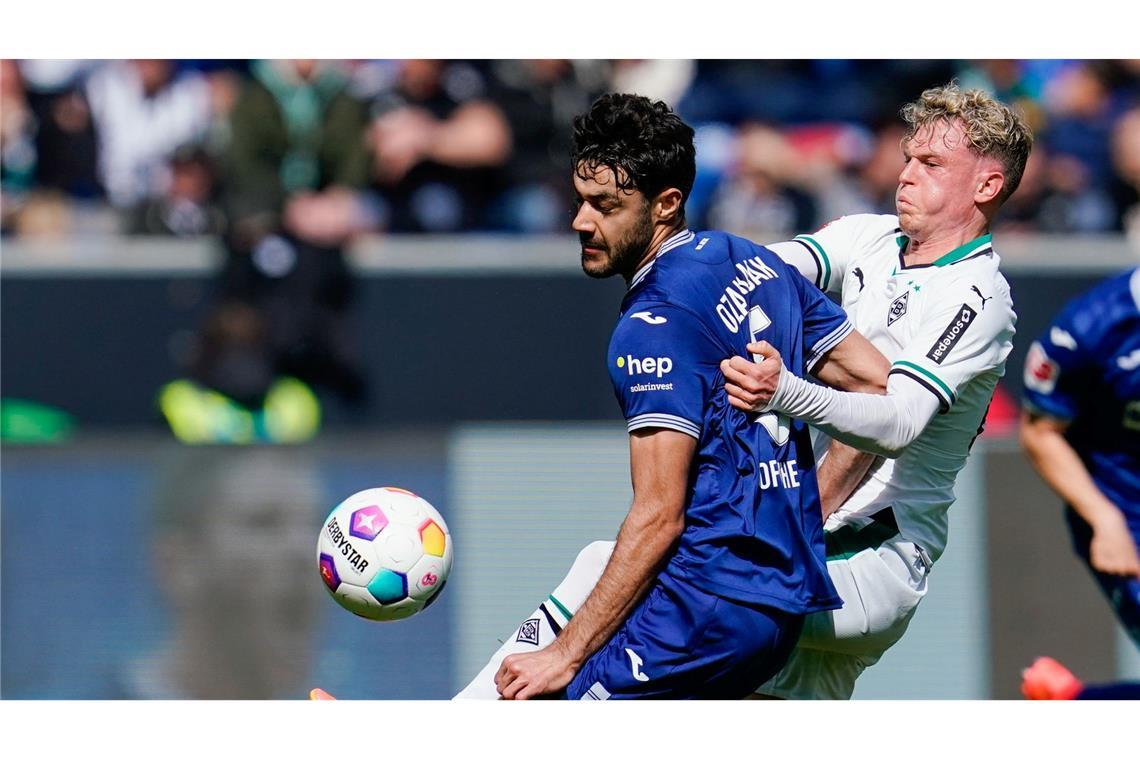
(1130, 362)
(777, 474)
(733, 307)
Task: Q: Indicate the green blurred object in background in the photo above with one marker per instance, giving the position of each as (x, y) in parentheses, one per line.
(28, 422)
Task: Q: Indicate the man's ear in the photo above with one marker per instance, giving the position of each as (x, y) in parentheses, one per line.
(667, 206)
(989, 187)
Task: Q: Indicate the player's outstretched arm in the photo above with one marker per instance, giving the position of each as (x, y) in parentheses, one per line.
(1112, 549)
(659, 465)
(883, 425)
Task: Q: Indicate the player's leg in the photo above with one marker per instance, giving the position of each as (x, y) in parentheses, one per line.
(538, 630)
(683, 643)
(881, 587)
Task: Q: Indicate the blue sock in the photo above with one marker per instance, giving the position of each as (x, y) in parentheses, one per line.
(1120, 690)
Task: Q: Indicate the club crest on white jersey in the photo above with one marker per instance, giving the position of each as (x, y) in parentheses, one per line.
(898, 308)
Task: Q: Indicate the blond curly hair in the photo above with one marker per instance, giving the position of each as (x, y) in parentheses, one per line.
(992, 128)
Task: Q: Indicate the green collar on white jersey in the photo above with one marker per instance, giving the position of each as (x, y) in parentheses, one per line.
(957, 254)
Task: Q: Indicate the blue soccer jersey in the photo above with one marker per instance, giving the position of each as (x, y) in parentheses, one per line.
(1085, 369)
(753, 531)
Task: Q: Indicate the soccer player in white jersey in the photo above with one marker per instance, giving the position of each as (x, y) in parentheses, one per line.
(924, 287)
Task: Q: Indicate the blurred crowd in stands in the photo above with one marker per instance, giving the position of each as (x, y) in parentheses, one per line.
(286, 161)
(322, 150)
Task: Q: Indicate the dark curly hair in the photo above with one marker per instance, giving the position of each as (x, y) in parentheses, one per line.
(645, 145)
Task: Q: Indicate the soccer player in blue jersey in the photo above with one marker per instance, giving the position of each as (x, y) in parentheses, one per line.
(721, 555)
(1081, 430)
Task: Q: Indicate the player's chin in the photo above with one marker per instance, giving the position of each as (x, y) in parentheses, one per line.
(597, 264)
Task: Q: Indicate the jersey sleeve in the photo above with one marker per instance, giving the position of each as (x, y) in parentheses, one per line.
(662, 362)
(1056, 369)
(825, 323)
(824, 256)
(963, 336)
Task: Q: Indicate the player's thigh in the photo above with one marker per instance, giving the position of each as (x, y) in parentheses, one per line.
(817, 674)
(681, 643)
(880, 593)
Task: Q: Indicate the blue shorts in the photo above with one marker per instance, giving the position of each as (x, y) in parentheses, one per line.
(1123, 593)
(684, 643)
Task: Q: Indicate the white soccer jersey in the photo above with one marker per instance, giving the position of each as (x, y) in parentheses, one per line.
(947, 326)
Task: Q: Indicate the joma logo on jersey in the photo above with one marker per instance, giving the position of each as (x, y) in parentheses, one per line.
(650, 365)
(952, 334)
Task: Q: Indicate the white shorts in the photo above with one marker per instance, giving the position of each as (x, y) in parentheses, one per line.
(880, 588)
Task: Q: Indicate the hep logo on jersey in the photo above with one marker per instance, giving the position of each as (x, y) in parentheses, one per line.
(1041, 372)
(650, 365)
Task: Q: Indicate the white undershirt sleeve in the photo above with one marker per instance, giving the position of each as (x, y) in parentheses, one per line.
(883, 425)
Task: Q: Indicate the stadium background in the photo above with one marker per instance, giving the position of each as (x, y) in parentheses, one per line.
(454, 346)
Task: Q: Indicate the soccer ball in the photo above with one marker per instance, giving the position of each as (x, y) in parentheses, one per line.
(384, 553)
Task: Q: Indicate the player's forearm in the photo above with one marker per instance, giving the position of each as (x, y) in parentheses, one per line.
(643, 544)
(1062, 470)
(840, 473)
(854, 365)
(883, 425)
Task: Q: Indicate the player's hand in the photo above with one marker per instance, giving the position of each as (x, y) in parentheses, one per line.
(533, 674)
(752, 384)
(1112, 550)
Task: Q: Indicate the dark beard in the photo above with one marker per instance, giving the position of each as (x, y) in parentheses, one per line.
(627, 252)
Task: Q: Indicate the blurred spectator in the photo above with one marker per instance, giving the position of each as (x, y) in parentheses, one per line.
(1011, 82)
(1126, 167)
(438, 141)
(143, 113)
(878, 178)
(65, 135)
(294, 177)
(17, 143)
(539, 99)
(232, 391)
(833, 162)
(232, 549)
(323, 150)
(655, 78)
(1081, 111)
(1022, 212)
(804, 91)
(759, 199)
(49, 146)
(188, 204)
